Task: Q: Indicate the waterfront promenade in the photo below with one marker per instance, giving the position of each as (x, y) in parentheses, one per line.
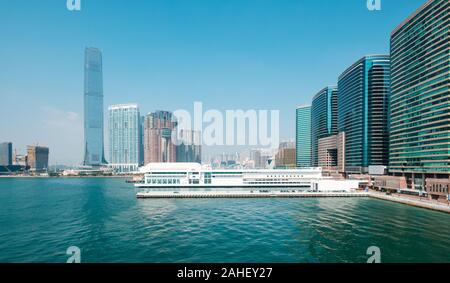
(414, 201)
(256, 194)
(404, 199)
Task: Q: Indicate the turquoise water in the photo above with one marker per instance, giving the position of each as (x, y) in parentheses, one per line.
(41, 218)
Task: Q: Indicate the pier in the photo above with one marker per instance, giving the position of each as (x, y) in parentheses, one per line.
(143, 195)
(230, 195)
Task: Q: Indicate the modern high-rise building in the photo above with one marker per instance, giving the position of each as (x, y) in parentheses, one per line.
(189, 147)
(363, 104)
(323, 118)
(124, 137)
(331, 152)
(141, 140)
(303, 136)
(255, 156)
(94, 153)
(37, 158)
(260, 158)
(285, 157)
(158, 130)
(6, 154)
(420, 100)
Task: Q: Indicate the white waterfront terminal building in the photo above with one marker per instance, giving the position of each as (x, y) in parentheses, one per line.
(193, 177)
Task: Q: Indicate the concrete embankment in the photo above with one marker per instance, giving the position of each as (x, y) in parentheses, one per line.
(245, 195)
(424, 203)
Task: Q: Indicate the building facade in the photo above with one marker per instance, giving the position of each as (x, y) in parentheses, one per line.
(261, 158)
(331, 153)
(6, 154)
(420, 100)
(303, 136)
(158, 130)
(188, 148)
(341, 151)
(94, 153)
(286, 157)
(141, 139)
(124, 137)
(323, 118)
(363, 104)
(255, 156)
(37, 158)
(327, 153)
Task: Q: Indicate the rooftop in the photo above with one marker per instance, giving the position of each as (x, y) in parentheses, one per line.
(420, 9)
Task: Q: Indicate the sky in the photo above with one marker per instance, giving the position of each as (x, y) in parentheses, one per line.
(167, 54)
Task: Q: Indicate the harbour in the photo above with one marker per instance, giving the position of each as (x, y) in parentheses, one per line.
(103, 217)
(226, 140)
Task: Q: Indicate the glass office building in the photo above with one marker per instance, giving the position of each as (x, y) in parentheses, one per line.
(93, 108)
(6, 154)
(323, 118)
(37, 158)
(363, 105)
(303, 136)
(420, 100)
(124, 137)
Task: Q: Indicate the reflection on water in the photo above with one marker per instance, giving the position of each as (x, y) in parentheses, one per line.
(156, 208)
(41, 218)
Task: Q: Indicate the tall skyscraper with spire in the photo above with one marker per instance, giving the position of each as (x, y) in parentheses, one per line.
(94, 154)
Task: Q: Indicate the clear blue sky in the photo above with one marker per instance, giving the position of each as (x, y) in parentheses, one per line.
(166, 54)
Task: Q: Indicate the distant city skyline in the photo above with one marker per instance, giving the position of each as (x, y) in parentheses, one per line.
(229, 55)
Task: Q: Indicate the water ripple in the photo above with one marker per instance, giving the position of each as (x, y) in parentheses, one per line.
(41, 218)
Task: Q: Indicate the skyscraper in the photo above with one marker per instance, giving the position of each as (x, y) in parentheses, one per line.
(158, 130)
(124, 137)
(285, 157)
(6, 153)
(93, 108)
(141, 140)
(323, 118)
(37, 158)
(303, 136)
(189, 147)
(420, 100)
(256, 156)
(362, 112)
